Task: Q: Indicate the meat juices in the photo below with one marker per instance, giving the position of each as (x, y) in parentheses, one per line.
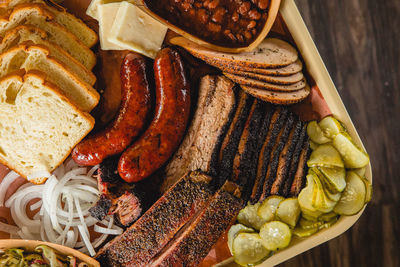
(148, 235)
(129, 121)
(166, 131)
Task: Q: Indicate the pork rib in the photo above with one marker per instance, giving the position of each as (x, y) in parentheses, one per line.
(194, 242)
(148, 235)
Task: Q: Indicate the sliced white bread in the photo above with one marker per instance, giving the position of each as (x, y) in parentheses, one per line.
(39, 126)
(69, 62)
(285, 80)
(266, 85)
(69, 21)
(271, 53)
(43, 19)
(36, 57)
(280, 98)
(291, 69)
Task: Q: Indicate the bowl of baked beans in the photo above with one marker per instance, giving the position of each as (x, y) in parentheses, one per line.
(223, 25)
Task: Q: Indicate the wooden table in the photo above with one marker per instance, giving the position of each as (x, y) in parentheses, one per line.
(359, 41)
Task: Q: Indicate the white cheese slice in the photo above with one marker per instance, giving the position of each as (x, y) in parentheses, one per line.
(107, 13)
(93, 8)
(135, 30)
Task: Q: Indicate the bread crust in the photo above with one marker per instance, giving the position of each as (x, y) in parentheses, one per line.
(22, 76)
(90, 91)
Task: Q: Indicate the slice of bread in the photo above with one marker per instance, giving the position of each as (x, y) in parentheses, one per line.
(29, 34)
(69, 21)
(39, 126)
(35, 57)
(43, 19)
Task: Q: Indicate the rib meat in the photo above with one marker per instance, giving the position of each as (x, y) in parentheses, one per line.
(215, 109)
(193, 242)
(299, 180)
(148, 235)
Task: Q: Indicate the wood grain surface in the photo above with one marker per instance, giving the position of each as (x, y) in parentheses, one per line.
(359, 40)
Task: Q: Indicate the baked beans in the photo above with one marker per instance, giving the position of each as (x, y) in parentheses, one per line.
(233, 23)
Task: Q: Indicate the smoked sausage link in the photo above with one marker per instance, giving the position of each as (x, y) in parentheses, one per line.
(166, 130)
(129, 121)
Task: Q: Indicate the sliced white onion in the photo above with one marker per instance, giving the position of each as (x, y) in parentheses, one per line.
(64, 217)
(86, 240)
(108, 231)
(8, 228)
(7, 181)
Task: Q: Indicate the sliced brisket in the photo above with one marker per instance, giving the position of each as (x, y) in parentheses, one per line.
(295, 161)
(231, 141)
(285, 159)
(148, 235)
(299, 180)
(194, 242)
(268, 141)
(274, 157)
(214, 113)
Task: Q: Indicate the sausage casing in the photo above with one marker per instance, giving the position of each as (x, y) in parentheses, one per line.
(129, 121)
(166, 131)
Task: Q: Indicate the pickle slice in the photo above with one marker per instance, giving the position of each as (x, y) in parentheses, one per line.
(360, 171)
(353, 197)
(325, 156)
(352, 155)
(268, 207)
(289, 211)
(307, 224)
(300, 232)
(313, 145)
(311, 215)
(328, 224)
(331, 126)
(368, 190)
(275, 235)
(315, 133)
(328, 216)
(306, 195)
(248, 249)
(249, 217)
(335, 177)
(234, 231)
(320, 199)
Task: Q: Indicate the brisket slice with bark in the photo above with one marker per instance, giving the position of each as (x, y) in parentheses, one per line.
(274, 157)
(151, 232)
(267, 143)
(196, 239)
(299, 180)
(232, 138)
(285, 159)
(295, 161)
(215, 108)
(126, 201)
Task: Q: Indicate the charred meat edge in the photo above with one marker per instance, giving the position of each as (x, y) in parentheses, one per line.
(299, 180)
(295, 161)
(244, 162)
(148, 235)
(275, 152)
(217, 97)
(285, 160)
(230, 144)
(267, 143)
(194, 242)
